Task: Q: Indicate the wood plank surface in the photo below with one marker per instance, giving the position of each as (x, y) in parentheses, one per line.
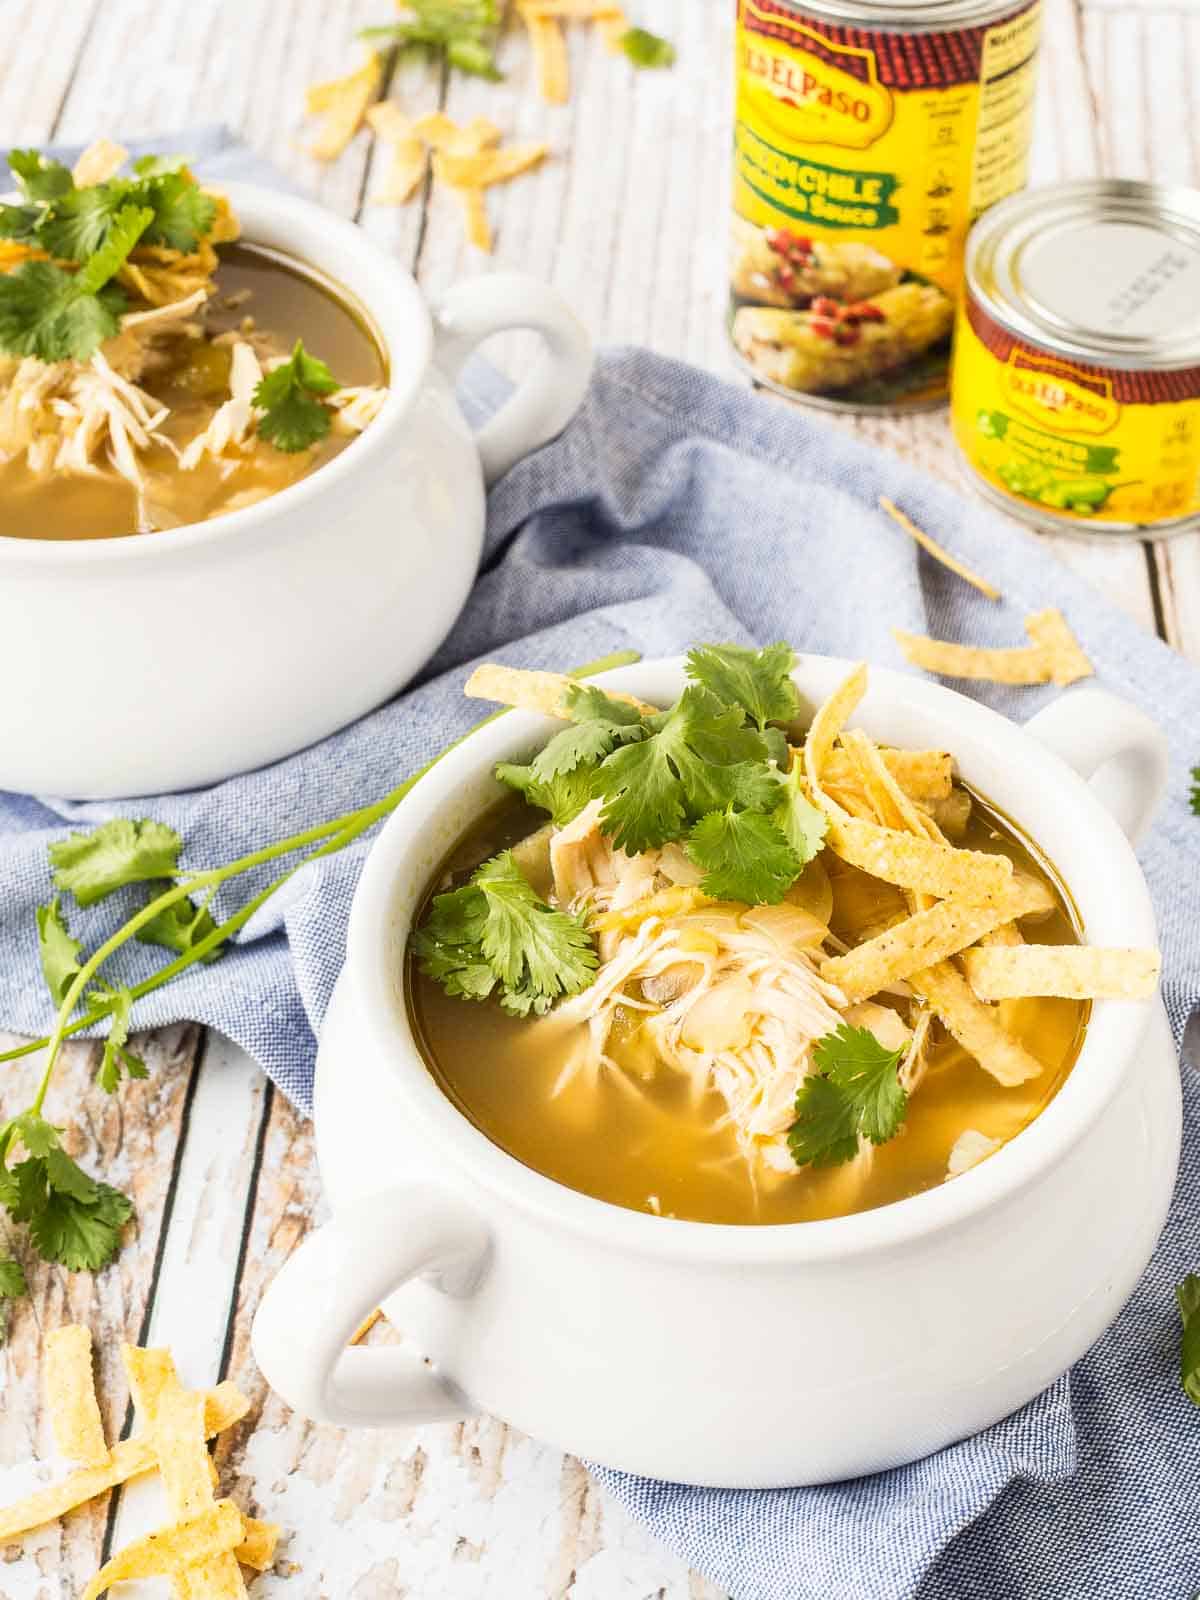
(628, 220)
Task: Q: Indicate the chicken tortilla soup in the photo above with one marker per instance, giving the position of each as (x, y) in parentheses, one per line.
(709, 965)
(154, 371)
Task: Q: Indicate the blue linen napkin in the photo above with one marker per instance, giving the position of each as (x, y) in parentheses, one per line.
(673, 509)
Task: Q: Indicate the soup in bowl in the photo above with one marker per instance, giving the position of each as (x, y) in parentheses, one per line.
(239, 498)
(925, 1200)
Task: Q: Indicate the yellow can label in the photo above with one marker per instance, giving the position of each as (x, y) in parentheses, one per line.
(860, 160)
(1073, 442)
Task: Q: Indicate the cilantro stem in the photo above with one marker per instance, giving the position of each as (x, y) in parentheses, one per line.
(330, 837)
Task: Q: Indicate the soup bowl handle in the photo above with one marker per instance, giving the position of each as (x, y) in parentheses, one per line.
(332, 1283)
(550, 395)
(1114, 747)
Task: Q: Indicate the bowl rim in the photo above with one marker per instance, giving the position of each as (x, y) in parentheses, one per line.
(400, 317)
(1109, 1050)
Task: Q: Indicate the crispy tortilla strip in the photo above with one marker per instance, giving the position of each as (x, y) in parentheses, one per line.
(224, 1406)
(189, 1478)
(929, 937)
(922, 865)
(549, 45)
(534, 691)
(1017, 667)
(1070, 972)
(893, 807)
(408, 159)
(1055, 655)
(475, 217)
(102, 160)
(671, 902)
(922, 774)
(342, 105)
(441, 132)
(573, 10)
(257, 1548)
(70, 1390)
(1006, 937)
(365, 1326)
(917, 862)
(180, 1545)
(975, 1025)
(1064, 654)
(488, 166)
(937, 551)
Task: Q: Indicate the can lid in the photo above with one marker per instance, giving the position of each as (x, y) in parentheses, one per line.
(1107, 270)
(919, 15)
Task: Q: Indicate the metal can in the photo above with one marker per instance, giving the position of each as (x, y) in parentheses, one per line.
(1076, 377)
(868, 136)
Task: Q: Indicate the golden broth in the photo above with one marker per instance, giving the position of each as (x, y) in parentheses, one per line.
(286, 303)
(641, 1141)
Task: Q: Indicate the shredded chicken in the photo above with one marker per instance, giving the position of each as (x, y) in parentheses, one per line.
(356, 408)
(232, 426)
(969, 1149)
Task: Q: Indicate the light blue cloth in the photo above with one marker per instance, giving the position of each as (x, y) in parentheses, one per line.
(676, 509)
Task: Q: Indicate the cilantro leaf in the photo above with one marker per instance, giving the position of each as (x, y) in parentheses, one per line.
(127, 228)
(39, 177)
(43, 313)
(757, 680)
(599, 725)
(21, 223)
(1195, 795)
(496, 932)
(181, 214)
(681, 772)
(117, 852)
(802, 824)
(159, 166)
(37, 1135)
(563, 797)
(853, 1091)
(744, 856)
(178, 927)
(1187, 1294)
(80, 223)
(463, 31)
(288, 395)
(116, 1056)
(12, 1279)
(646, 49)
(12, 1287)
(81, 1236)
(58, 952)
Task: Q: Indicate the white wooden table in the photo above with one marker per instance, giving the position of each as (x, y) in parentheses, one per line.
(628, 220)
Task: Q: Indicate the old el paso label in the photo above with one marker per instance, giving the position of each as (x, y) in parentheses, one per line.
(1059, 397)
(799, 95)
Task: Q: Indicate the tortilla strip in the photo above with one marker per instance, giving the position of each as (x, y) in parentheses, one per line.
(342, 104)
(974, 1025)
(102, 160)
(534, 691)
(673, 902)
(223, 1407)
(406, 167)
(893, 807)
(929, 937)
(478, 228)
(365, 1326)
(70, 1389)
(257, 1549)
(937, 551)
(180, 1545)
(1064, 654)
(1070, 972)
(922, 774)
(441, 132)
(488, 166)
(549, 46)
(1054, 657)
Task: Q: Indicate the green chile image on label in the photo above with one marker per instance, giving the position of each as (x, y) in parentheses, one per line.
(834, 197)
(1060, 473)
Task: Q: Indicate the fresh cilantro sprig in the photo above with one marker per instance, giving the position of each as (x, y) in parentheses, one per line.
(460, 32)
(853, 1092)
(1195, 795)
(1188, 1296)
(64, 308)
(289, 397)
(646, 49)
(495, 935)
(71, 1218)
